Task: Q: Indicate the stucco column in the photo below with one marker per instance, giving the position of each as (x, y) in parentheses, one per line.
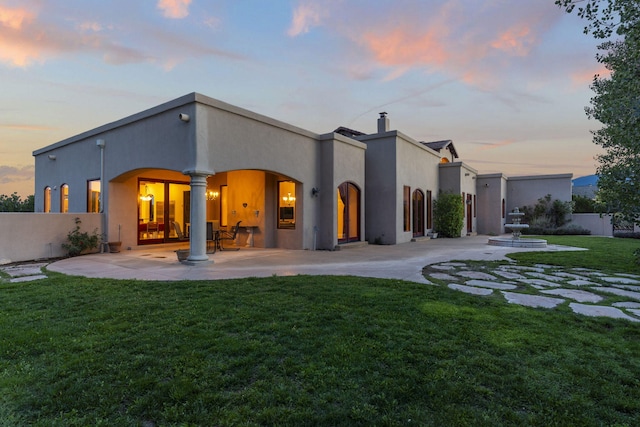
(198, 232)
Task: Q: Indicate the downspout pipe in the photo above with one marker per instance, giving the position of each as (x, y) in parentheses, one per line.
(100, 143)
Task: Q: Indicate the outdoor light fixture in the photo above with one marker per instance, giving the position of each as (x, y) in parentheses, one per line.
(52, 156)
(315, 191)
(288, 199)
(184, 117)
(212, 195)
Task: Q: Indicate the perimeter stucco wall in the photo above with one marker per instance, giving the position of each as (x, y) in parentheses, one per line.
(33, 236)
(599, 225)
(491, 189)
(526, 190)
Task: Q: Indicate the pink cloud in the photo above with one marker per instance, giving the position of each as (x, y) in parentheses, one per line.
(516, 40)
(478, 43)
(174, 9)
(582, 78)
(12, 49)
(305, 16)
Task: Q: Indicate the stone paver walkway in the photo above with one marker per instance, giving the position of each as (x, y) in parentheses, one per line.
(587, 292)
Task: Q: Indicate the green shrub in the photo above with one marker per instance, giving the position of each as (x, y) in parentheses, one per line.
(552, 213)
(448, 214)
(80, 241)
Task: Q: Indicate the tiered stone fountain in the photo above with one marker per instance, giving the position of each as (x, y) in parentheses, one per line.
(516, 230)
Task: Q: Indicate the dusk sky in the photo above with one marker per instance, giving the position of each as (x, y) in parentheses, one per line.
(506, 80)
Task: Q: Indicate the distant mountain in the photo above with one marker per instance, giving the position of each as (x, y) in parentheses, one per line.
(586, 186)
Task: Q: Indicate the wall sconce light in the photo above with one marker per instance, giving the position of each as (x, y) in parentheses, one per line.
(257, 212)
(288, 199)
(244, 205)
(212, 195)
(315, 191)
(466, 174)
(486, 185)
(184, 117)
(51, 156)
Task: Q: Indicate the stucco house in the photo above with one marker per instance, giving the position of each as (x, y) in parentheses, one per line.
(196, 163)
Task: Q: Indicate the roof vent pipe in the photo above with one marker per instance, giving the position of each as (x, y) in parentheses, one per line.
(383, 123)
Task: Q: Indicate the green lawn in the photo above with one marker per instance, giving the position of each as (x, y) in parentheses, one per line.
(330, 351)
(603, 253)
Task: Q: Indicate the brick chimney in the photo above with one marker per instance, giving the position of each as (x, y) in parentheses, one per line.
(383, 123)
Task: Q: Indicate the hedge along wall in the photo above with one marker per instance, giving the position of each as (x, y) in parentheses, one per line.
(34, 236)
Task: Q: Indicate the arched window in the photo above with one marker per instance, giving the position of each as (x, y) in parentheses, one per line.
(348, 213)
(64, 198)
(417, 203)
(47, 200)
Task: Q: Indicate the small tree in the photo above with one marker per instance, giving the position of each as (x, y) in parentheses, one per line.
(448, 213)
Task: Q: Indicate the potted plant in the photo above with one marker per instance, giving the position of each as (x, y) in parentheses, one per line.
(182, 254)
(114, 247)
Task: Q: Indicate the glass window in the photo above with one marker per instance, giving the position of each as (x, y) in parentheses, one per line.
(93, 196)
(64, 198)
(47, 199)
(286, 204)
(429, 210)
(406, 200)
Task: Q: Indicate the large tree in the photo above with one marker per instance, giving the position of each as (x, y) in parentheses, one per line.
(616, 103)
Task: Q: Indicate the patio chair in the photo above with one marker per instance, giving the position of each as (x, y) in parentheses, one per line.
(178, 231)
(229, 235)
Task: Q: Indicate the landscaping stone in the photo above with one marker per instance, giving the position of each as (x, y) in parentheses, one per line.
(531, 300)
(443, 276)
(626, 304)
(476, 275)
(629, 287)
(582, 282)
(544, 276)
(27, 278)
(24, 269)
(570, 275)
(621, 280)
(574, 294)
(600, 311)
(616, 291)
(540, 283)
(504, 277)
(509, 275)
(490, 285)
(470, 289)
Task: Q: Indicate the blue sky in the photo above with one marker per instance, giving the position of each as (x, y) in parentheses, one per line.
(506, 80)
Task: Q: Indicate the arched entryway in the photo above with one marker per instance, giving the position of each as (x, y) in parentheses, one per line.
(348, 213)
(418, 213)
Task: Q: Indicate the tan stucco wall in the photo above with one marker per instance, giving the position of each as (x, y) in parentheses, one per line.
(599, 225)
(394, 160)
(32, 236)
(491, 190)
(526, 190)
